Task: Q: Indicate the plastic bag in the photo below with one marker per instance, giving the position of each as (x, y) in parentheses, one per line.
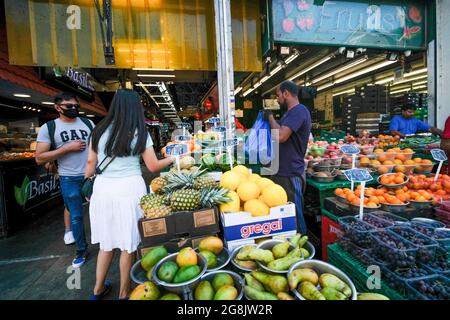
(258, 145)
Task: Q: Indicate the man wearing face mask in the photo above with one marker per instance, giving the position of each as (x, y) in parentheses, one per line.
(64, 140)
(294, 129)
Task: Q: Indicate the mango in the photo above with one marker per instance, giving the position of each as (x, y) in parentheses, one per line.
(280, 250)
(247, 264)
(186, 257)
(300, 275)
(309, 291)
(167, 271)
(210, 258)
(222, 279)
(213, 244)
(204, 291)
(186, 273)
(258, 295)
(152, 257)
(145, 291)
(170, 296)
(226, 292)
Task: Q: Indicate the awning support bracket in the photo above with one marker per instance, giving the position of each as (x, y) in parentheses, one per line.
(105, 20)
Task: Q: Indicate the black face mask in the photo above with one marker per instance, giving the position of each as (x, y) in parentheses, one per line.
(71, 113)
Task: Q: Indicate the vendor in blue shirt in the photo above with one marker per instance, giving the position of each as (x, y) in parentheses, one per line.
(407, 124)
(294, 132)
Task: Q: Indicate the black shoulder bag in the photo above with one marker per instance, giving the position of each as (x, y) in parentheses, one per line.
(88, 184)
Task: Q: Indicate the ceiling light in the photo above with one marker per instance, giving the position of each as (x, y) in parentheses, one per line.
(38, 110)
(411, 79)
(157, 75)
(24, 107)
(34, 109)
(90, 115)
(21, 95)
(350, 91)
(81, 112)
(410, 74)
(312, 66)
(151, 69)
(238, 89)
(47, 102)
(247, 92)
(408, 89)
(338, 70)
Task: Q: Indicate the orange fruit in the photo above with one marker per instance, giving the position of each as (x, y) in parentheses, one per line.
(383, 169)
(402, 197)
(375, 162)
(378, 150)
(374, 200)
(421, 199)
(339, 192)
(350, 197)
(426, 161)
(399, 191)
(400, 168)
(398, 180)
(400, 157)
(410, 162)
(364, 160)
(371, 205)
(417, 160)
(407, 150)
(397, 161)
(356, 201)
(379, 192)
(388, 162)
(382, 157)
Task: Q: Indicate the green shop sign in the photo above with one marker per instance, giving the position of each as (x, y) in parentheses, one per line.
(378, 24)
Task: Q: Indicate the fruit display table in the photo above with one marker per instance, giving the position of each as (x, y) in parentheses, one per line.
(356, 270)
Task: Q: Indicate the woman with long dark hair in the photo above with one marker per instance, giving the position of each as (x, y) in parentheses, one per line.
(119, 140)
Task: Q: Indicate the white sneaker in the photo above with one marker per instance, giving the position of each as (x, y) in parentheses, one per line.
(68, 238)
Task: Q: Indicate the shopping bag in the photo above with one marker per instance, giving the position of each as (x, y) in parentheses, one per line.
(258, 145)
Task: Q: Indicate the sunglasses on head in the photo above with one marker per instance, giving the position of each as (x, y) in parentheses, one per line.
(70, 105)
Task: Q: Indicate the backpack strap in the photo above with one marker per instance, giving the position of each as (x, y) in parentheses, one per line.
(87, 122)
(51, 126)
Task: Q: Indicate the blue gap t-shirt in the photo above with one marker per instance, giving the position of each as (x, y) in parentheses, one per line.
(292, 152)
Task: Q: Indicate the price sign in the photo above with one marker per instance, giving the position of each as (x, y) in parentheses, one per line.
(229, 143)
(214, 120)
(220, 129)
(349, 149)
(357, 175)
(439, 155)
(176, 149)
(183, 138)
(183, 125)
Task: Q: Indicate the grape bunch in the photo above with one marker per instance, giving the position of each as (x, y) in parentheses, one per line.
(429, 232)
(351, 248)
(441, 263)
(357, 231)
(413, 272)
(441, 234)
(376, 222)
(427, 247)
(437, 289)
(396, 278)
(394, 250)
(388, 218)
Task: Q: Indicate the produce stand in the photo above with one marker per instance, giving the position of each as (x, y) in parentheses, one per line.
(357, 272)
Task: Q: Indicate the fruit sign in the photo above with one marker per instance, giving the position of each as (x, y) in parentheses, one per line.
(439, 155)
(229, 143)
(358, 175)
(378, 24)
(220, 129)
(183, 125)
(349, 149)
(176, 149)
(183, 138)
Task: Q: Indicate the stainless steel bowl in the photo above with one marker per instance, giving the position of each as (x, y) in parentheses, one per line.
(233, 257)
(137, 273)
(394, 208)
(223, 258)
(393, 186)
(323, 179)
(268, 245)
(420, 204)
(183, 287)
(322, 267)
(325, 168)
(238, 281)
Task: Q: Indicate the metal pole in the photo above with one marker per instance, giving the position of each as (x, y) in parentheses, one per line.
(225, 78)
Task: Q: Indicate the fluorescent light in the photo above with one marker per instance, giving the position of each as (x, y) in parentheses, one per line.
(407, 75)
(81, 112)
(157, 75)
(411, 79)
(90, 116)
(147, 85)
(21, 95)
(338, 70)
(47, 102)
(38, 110)
(24, 107)
(151, 69)
(247, 92)
(314, 65)
(238, 89)
(357, 74)
(34, 109)
(350, 91)
(408, 89)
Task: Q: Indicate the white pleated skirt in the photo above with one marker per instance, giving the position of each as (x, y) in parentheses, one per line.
(114, 212)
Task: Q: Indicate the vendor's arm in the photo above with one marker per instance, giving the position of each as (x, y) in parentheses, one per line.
(436, 131)
(423, 126)
(394, 127)
(284, 132)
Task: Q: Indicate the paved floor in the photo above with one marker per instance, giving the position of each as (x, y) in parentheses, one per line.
(34, 263)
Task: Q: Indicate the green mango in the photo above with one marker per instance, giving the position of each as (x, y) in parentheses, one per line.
(152, 257)
(186, 273)
(226, 292)
(222, 279)
(204, 291)
(167, 271)
(170, 296)
(150, 273)
(145, 291)
(210, 257)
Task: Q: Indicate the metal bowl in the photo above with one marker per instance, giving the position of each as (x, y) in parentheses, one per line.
(238, 281)
(428, 222)
(268, 245)
(342, 199)
(137, 273)
(325, 168)
(223, 258)
(394, 208)
(183, 287)
(323, 179)
(322, 267)
(393, 186)
(233, 257)
(355, 208)
(420, 204)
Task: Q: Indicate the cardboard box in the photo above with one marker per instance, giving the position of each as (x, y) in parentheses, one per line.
(173, 245)
(231, 245)
(241, 226)
(179, 225)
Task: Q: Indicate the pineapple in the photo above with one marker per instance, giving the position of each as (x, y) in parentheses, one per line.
(176, 180)
(185, 200)
(150, 201)
(210, 197)
(204, 182)
(157, 211)
(158, 184)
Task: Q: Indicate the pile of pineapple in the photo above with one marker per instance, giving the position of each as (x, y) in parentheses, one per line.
(178, 191)
(251, 193)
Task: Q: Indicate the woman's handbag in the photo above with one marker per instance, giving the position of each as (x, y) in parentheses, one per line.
(88, 184)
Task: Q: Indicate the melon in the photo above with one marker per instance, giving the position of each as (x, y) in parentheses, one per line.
(256, 208)
(233, 205)
(248, 190)
(241, 170)
(274, 195)
(230, 180)
(253, 177)
(264, 182)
